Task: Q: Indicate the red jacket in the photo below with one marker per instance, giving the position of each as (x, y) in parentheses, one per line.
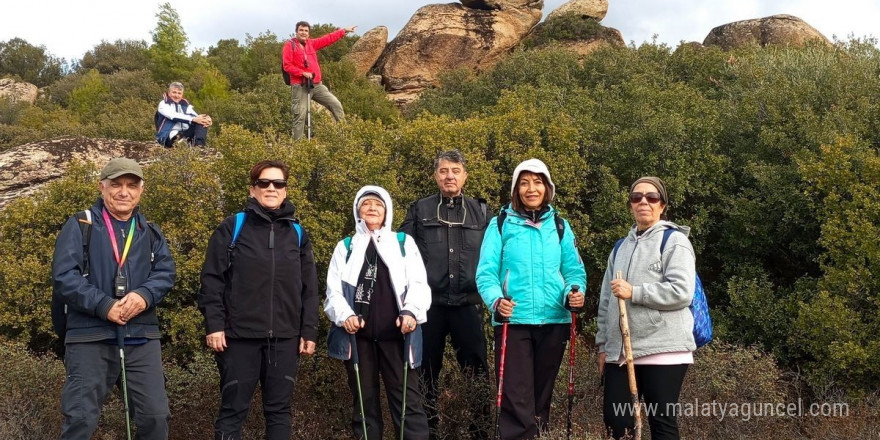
(294, 56)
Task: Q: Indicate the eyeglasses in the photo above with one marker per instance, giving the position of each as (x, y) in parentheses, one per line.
(264, 183)
(652, 197)
(448, 223)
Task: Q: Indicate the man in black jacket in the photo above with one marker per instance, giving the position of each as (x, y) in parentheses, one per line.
(448, 228)
(259, 297)
(109, 296)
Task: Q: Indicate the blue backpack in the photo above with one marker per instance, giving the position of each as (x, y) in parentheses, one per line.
(699, 306)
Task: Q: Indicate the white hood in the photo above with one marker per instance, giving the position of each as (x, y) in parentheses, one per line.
(359, 226)
(534, 166)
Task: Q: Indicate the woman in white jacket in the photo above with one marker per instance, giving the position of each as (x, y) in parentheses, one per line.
(377, 295)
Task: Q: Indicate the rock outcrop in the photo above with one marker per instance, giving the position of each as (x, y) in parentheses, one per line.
(595, 9)
(785, 30)
(18, 91)
(367, 49)
(26, 168)
(610, 37)
(443, 37)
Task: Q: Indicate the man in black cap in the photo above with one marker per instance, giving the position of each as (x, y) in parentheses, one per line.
(110, 270)
(448, 228)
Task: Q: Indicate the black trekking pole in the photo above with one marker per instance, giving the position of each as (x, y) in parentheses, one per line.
(308, 84)
(504, 322)
(571, 343)
(357, 375)
(406, 342)
(120, 340)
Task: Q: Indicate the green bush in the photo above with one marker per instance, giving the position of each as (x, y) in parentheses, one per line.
(567, 27)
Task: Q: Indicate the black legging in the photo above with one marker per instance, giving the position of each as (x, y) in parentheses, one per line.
(659, 385)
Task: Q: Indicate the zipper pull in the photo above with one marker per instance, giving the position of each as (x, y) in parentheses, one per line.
(272, 236)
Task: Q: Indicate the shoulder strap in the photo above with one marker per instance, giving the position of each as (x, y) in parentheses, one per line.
(666, 234)
(484, 209)
(560, 225)
(401, 240)
(347, 241)
(84, 219)
(616, 247)
(239, 221)
(299, 232)
(500, 219)
(151, 229)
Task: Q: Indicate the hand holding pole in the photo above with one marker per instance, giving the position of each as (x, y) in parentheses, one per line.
(630, 367)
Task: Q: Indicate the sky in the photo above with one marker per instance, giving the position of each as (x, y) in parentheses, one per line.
(70, 28)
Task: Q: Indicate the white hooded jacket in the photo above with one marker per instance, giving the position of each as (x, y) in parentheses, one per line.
(408, 276)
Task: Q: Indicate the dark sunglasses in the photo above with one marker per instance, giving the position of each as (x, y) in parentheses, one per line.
(264, 183)
(652, 197)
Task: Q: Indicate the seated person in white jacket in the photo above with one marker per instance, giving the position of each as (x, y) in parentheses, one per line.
(176, 119)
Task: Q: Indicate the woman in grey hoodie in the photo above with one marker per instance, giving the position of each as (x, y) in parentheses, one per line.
(658, 286)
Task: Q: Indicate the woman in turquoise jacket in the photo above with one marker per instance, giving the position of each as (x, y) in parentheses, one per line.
(528, 266)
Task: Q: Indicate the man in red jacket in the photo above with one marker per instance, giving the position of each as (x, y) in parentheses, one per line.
(300, 61)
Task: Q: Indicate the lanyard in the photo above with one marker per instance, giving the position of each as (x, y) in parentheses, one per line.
(109, 224)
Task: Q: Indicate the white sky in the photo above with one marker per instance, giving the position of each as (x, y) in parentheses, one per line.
(70, 28)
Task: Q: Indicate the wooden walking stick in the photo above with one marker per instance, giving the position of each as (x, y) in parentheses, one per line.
(630, 367)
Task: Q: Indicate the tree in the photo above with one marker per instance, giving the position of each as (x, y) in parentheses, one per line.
(228, 57)
(168, 52)
(120, 55)
(262, 56)
(28, 62)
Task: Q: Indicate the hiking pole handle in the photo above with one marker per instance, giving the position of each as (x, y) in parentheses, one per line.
(575, 288)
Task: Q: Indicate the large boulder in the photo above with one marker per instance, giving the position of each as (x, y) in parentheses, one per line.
(367, 49)
(595, 9)
(18, 91)
(26, 168)
(444, 37)
(783, 30)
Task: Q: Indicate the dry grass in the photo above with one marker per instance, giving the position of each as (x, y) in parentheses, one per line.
(29, 407)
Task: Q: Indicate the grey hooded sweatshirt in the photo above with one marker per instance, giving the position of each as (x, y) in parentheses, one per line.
(663, 288)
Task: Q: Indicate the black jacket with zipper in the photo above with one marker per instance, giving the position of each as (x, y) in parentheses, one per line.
(269, 289)
(451, 253)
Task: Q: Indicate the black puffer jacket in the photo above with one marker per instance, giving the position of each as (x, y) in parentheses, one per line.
(450, 252)
(271, 288)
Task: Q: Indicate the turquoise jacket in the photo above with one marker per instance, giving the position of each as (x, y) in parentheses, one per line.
(538, 268)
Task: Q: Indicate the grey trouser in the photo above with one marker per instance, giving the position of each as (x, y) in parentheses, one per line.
(320, 94)
(92, 370)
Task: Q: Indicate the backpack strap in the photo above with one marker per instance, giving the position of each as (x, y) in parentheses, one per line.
(299, 232)
(84, 220)
(236, 231)
(666, 234)
(401, 240)
(239, 221)
(560, 225)
(502, 216)
(484, 209)
(616, 247)
(151, 229)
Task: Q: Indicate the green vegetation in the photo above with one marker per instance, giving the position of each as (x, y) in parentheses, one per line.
(568, 27)
(770, 155)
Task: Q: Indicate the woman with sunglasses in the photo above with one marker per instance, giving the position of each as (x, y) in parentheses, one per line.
(658, 287)
(259, 296)
(529, 265)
